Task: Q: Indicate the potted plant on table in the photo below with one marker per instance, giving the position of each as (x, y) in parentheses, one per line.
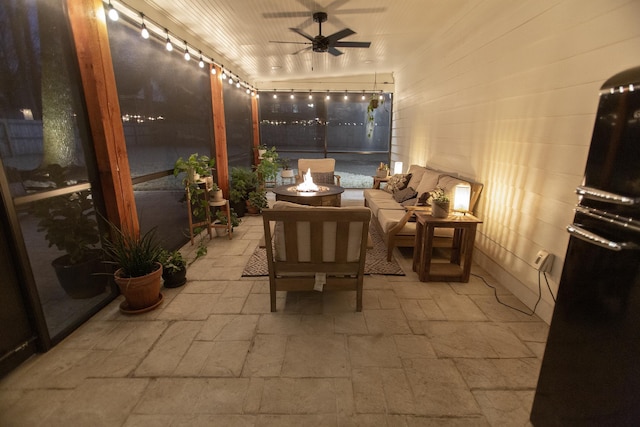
(383, 170)
(216, 193)
(439, 203)
(197, 169)
(286, 172)
(139, 271)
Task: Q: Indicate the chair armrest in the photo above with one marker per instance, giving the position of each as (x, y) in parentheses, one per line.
(417, 208)
(337, 179)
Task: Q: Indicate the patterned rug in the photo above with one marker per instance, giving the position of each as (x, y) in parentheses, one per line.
(376, 262)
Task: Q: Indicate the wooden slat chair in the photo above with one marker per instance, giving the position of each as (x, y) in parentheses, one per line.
(319, 168)
(308, 242)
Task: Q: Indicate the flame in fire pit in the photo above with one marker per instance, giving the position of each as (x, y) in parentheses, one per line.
(307, 184)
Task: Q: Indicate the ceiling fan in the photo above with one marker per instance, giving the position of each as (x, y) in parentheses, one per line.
(322, 43)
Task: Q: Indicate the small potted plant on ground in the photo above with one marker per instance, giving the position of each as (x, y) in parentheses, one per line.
(174, 268)
(257, 201)
(139, 272)
(221, 218)
(243, 181)
(439, 203)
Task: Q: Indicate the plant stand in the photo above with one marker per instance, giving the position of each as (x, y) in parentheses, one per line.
(223, 204)
(207, 220)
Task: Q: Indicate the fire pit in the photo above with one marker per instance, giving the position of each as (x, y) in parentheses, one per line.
(309, 193)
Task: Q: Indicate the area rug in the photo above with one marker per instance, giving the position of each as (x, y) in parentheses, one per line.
(376, 262)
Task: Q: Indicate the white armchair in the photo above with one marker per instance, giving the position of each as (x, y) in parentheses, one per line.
(319, 168)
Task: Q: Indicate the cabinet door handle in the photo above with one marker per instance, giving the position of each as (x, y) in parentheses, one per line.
(589, 237)
(605, 196)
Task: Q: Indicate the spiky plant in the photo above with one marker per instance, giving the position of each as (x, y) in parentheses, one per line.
(136, 255)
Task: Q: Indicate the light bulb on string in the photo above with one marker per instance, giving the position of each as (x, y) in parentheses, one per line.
(363, 95)
(169, 45)
(213, 67)
(310, 95)
(328, 96)
(291, 96)
(201, 62)
(143, 31)
(238, 84)
(113, 14)
(187, 56)
(345, 95)
(230, 80)
(224, 74)
(275, 94)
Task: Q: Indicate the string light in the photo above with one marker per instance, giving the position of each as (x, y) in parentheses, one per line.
(187, 57)
(363, 97)
(310, 96)
(113, 14)
(147, 26)
(345, 95)
(144, 32)
(328, 96)
(224, 75)
(291, 96)
(169, 45)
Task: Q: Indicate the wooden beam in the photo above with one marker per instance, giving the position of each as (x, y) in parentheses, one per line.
(256, 127)
(220, 131)
(89, 28)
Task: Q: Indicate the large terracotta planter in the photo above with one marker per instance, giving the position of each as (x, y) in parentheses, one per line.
(141, 293)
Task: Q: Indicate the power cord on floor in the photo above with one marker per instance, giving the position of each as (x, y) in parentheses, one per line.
(495, 293)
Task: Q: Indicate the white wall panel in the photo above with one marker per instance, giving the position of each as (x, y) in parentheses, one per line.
(508, 95)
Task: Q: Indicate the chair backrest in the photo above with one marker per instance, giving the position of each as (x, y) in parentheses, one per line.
(316, 165)
(322, 171)
(309, 239)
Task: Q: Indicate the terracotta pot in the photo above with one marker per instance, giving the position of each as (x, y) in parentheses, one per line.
(140, 292)
(440, 209)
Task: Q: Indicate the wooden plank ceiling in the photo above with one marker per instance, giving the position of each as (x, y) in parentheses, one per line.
(241, 32)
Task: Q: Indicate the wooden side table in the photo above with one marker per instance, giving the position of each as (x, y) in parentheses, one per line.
(378, 180)
(458, 268)
(206, 222)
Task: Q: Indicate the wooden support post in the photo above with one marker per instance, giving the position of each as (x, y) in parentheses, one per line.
(89, 28)
(220, 131)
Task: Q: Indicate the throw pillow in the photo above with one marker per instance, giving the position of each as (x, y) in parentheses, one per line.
(405, 194)
(322, 177)
(397, 182)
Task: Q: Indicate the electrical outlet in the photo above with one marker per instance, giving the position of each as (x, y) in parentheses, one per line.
(543, 261)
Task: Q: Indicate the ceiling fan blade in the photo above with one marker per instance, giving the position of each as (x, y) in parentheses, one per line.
(302, 33)
(360, 11)
(301, 50)
(333, 51)
(285, 14)
(339, 35)
(352, 44)
(279, 41)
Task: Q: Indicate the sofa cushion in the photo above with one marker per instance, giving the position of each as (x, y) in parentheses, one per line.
(397, 182)
(378, 203)
(416, 172)
(404, 194)
(428, 183)
(322, 178)
(304, 235)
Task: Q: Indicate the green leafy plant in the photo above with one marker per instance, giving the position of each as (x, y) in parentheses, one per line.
(136, 255)
(285, 163)
(68, 220)
(195, 167)
(221, 216)
(374, 102)
(267, 169)
(258, 199)
(439, 196)
(243, 181)
(201, 165)
(172, 261)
